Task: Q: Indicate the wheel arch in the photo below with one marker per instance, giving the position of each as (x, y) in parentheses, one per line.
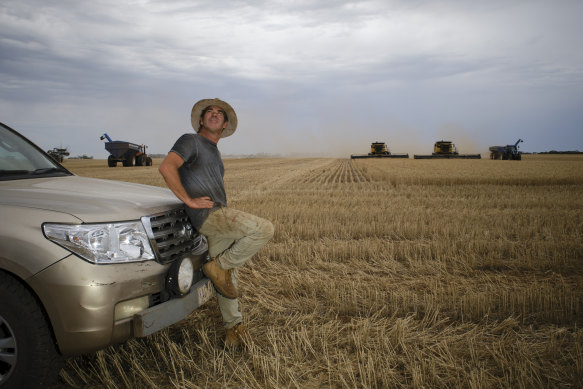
(38, 301)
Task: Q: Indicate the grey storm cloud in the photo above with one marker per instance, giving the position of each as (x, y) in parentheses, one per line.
(300, 73)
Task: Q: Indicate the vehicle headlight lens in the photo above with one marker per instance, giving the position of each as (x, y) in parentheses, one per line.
(103, 243)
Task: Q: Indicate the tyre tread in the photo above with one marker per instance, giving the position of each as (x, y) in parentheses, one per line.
(45, 358)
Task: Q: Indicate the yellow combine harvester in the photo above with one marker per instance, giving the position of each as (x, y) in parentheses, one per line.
(446, 149)
(379, 150)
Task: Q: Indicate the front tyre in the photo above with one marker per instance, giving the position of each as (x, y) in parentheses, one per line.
(111, 161)
(28, 355)
(129, 161)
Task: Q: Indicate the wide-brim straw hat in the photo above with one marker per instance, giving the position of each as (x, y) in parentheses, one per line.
(202, 104)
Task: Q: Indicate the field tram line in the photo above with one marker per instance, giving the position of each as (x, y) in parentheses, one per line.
(318, 176)
(304, 174)
(346, 175)
(337, 172)
(334, 175)
(346, 172)
(310, 175)
(340, 171)
(357, 173)
(313, 178)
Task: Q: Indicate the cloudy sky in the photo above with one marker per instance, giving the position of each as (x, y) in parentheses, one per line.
(321, 77)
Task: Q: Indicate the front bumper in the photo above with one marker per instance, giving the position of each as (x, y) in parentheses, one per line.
(80, 300)
(163, 315)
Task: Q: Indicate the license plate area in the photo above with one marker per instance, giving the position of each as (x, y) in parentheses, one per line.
(172, 311)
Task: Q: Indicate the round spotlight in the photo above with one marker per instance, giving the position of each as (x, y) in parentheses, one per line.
(180, 276)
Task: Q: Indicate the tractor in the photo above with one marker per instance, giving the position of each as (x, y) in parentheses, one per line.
(508, 152)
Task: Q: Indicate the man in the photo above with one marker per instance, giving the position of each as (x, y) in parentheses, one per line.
(193, 170)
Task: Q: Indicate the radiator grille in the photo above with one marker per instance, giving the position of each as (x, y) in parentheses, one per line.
(172, 235)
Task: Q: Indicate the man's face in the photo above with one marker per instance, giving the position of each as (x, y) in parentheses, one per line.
(213, 119)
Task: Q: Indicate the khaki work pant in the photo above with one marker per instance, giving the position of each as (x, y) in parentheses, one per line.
(233, 237)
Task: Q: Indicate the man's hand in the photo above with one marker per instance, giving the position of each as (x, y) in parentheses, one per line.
(200, 203)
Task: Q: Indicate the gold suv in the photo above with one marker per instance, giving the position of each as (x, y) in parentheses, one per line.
(85, 263)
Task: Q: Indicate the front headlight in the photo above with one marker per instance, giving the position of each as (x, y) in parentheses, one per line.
(103, 243)
(180, 276)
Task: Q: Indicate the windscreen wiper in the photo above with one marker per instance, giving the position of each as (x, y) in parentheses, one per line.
(14, 172)
(37, 172)
(48, 170)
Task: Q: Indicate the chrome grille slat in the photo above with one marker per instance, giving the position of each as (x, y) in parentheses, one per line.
(177, 251)
(161, 233)
(167, 245)
(171, 234)
(162, 220)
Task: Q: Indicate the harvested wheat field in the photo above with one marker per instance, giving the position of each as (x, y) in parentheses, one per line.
(383, 273)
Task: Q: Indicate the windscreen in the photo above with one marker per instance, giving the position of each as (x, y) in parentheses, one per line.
(21, 159)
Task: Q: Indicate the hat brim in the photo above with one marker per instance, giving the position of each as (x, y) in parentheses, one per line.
(202, 104)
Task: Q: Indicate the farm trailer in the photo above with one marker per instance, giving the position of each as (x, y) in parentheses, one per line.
(508, 152)
(125, 152)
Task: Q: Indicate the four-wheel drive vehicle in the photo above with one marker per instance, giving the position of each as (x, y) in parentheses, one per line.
(85, 263)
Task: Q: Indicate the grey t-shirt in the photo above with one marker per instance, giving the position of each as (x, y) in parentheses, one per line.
(201, 174)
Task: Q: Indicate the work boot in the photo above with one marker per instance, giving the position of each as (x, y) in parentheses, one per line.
(221, 279)
(236, 336)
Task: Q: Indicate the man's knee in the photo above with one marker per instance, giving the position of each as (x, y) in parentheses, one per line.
(266, 229)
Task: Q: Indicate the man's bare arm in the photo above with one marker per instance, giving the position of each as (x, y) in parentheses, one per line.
(169, 170)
